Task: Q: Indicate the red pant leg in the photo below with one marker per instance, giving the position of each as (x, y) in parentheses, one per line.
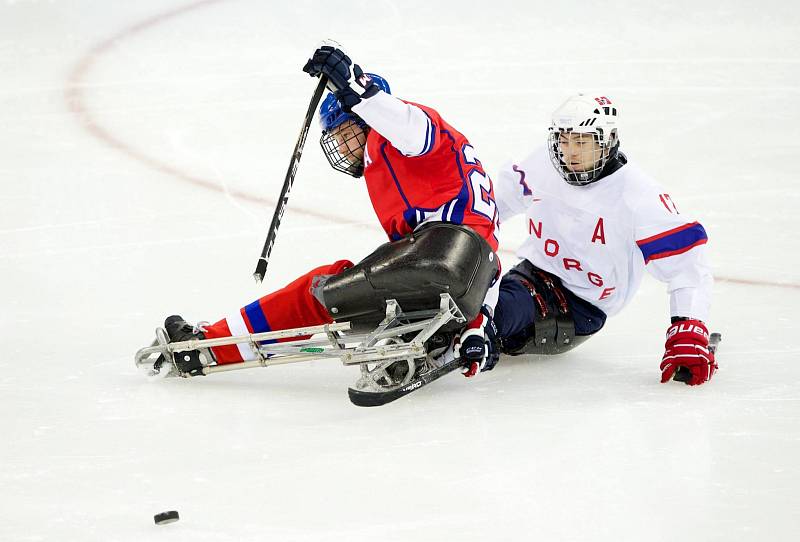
(290, 307)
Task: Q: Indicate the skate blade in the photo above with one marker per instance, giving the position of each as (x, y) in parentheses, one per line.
(167, 368)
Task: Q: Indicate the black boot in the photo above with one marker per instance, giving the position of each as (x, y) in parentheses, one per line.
(188, 361)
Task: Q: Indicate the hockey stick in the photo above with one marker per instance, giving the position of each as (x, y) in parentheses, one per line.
(261, 267)
(370, 399)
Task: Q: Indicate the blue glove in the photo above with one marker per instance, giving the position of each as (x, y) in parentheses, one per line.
(350, 88)
(477, 345)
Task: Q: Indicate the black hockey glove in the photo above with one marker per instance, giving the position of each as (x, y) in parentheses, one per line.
(329, 59)
(477, 345)
(349, 87)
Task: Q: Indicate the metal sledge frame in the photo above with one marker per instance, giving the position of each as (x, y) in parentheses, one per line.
(364, 347)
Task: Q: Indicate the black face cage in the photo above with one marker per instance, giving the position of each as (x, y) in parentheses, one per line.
(340, 151)
(601, 152)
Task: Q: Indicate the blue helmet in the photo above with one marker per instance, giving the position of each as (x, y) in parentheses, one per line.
(331, 113)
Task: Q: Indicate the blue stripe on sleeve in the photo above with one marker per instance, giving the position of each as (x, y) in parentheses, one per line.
(430, 137)
(257, 319)
(673, 242)
(461, 201)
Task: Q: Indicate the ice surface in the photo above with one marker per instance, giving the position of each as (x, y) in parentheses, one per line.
(143, 146)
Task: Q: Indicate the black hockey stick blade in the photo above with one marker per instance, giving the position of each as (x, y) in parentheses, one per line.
(261, 267)
(683, 374)
(370, 399)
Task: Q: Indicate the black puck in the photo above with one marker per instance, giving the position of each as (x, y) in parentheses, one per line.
(166, 517)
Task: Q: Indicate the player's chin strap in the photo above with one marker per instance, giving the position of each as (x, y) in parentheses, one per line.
(616, 159)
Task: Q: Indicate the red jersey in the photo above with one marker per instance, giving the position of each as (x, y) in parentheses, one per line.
(436, 177)
(444, 182)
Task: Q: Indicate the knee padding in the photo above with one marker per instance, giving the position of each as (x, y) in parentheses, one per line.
(553, 329)
(438, 258)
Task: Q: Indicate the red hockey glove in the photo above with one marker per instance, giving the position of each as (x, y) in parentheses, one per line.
(476, 345)
(687, 346)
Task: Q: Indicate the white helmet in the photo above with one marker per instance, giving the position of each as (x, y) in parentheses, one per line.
(582, 114)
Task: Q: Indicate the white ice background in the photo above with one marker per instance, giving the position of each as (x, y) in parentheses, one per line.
(142, 148)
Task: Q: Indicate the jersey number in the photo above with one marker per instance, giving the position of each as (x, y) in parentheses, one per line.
(668, 203)
(482, 202)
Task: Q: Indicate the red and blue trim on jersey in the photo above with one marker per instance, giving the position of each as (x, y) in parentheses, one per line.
(255, 317)
(430, 137)
(526, 190)
(672, 242)
(452, 211)
(438, 178)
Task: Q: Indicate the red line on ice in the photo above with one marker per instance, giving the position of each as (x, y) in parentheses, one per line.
(76, 103)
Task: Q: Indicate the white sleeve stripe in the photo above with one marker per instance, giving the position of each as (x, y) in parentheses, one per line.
(428, 136)
(428, 145)
(666, 358)
(448, 211)
(238, 327)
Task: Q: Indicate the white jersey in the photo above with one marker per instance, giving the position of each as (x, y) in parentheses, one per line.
(599, 238)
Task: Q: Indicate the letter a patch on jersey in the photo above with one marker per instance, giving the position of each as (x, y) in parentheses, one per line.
(599, 232)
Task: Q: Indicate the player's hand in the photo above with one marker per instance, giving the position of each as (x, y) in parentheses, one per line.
(687, 346)
(476, 346)
(331, 60)
(346, 80)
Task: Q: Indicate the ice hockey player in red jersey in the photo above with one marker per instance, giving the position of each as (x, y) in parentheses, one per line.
(595, 224)
(423, 177)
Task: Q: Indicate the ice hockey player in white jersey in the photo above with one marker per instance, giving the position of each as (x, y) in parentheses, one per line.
(595, 224)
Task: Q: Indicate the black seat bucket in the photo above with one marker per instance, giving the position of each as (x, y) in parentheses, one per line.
(438, 258)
